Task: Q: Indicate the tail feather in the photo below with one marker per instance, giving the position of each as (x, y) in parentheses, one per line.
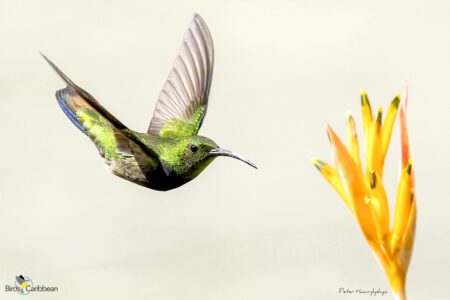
(111, 136)
(88, 99)
(91, 118)
(61, 96)
(108, 139)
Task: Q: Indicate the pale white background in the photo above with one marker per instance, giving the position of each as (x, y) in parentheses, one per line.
(282, 69)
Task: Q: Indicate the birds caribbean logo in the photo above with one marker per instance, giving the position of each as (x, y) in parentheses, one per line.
(171, 153)
(22, 282)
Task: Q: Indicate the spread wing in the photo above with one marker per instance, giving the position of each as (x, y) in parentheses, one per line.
(111, 136)
(184, 97)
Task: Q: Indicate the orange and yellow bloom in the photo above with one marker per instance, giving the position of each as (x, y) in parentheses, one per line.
(361, 187)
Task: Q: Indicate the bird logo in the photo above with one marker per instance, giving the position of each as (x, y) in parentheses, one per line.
(22, 282)
(170, 153)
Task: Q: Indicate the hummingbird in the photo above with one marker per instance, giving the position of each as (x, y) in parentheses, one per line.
(170, 153)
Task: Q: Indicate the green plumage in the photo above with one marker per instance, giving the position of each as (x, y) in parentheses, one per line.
(100, 131)
(177, 129)
(171, 153)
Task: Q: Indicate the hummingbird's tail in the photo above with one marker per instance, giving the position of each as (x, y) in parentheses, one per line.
(69, 107)
(86, 100)
(88, 115)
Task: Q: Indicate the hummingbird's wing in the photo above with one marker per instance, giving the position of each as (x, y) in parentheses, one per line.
(184, 97)
(107, 132)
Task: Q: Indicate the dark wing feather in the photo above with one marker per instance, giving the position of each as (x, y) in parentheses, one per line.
(110, 135)
(187, 88)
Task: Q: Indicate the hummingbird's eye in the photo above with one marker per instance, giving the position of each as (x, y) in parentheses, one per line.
(193, 148)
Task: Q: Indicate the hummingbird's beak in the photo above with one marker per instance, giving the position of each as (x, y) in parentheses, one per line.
(223, 152)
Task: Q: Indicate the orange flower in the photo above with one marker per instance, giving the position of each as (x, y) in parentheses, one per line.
(363, 191)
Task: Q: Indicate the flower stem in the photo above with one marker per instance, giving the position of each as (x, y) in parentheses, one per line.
(398, 286)
(400, 294)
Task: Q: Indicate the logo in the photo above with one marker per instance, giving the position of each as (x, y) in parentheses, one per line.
(24, 286)
(22, 283)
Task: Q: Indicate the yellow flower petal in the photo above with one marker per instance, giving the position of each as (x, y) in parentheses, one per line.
(367, 115)
(405, 197)
(398, 268)
(405, 194)
(355, 187)
(380, 208)
(408, 239)
(388, 125)
(352, 139)
(373, 145)
(332, 176)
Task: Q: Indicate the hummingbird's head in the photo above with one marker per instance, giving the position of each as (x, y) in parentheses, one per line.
(191, 155)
